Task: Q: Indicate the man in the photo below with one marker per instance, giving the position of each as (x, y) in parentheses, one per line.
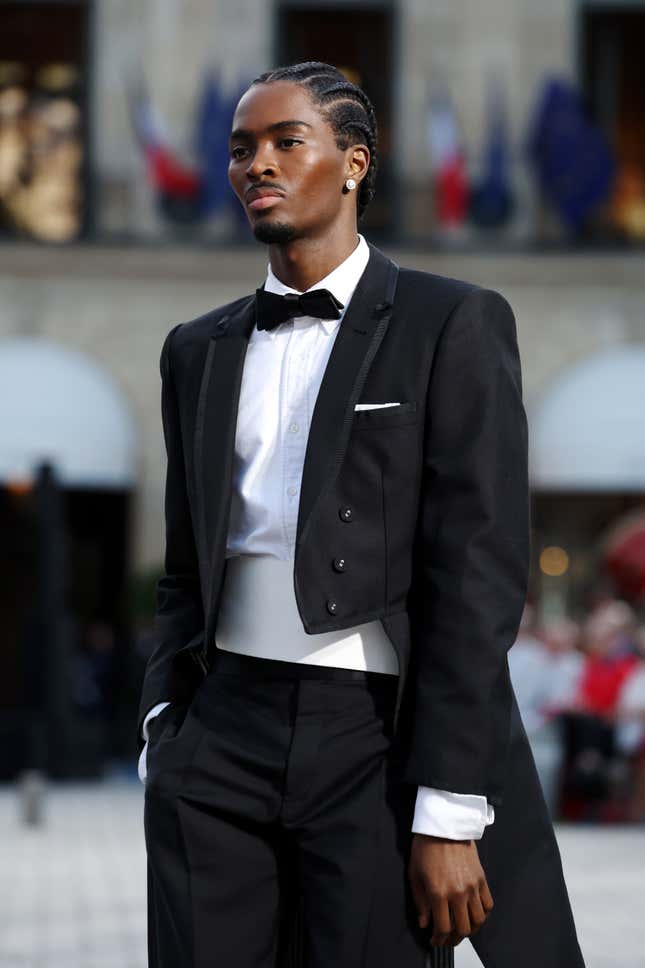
(347, 550)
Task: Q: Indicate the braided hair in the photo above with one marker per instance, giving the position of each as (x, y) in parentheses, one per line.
(346, 108)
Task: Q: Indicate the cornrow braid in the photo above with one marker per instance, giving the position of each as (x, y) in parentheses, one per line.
(346, 107)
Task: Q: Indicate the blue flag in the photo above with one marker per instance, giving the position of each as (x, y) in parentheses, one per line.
(491, 199)
(211, 144)
(572, 160)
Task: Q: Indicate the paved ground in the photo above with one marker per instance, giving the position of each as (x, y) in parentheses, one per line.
(72, 891)
(605, 872)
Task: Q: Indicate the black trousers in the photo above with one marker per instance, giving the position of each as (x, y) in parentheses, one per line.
(277, 827)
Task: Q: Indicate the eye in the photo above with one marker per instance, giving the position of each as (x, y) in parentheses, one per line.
(295, 141)
(235, 150)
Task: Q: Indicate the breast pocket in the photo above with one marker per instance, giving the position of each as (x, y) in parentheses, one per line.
(383, 417)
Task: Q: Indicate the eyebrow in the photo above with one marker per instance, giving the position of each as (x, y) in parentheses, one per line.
(278, 126)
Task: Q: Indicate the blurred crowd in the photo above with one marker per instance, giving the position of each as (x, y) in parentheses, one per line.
(580, 687)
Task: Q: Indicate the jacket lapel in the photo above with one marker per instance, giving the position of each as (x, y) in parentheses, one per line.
(214, 442)
(361, 330)
(357, 341)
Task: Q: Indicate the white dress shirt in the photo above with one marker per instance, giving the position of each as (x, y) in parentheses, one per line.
(283, 369)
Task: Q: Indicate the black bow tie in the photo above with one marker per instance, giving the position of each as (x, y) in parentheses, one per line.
(273, 309)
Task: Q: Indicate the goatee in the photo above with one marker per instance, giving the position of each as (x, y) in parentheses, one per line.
(274, 232)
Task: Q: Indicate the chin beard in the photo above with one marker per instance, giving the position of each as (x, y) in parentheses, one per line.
(274, 232)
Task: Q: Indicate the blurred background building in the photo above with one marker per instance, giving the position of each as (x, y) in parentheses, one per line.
(512, 154)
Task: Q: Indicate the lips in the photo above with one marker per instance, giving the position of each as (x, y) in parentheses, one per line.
(260, 198)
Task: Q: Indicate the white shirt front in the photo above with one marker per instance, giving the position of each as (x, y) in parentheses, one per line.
(283, 370)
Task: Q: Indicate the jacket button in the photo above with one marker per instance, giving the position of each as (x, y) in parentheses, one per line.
(332, 606)
(345, 513)
(338, 564)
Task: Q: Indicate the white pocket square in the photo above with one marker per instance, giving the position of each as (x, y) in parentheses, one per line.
(373, 406)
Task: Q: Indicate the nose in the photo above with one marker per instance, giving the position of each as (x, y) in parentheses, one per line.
(262, 162)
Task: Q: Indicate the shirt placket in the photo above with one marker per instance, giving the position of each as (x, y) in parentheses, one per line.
(295, 423)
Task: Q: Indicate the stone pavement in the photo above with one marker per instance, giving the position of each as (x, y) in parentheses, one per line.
(604, 868)
(72, 891)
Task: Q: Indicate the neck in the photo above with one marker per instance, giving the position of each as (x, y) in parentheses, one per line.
(305, 261)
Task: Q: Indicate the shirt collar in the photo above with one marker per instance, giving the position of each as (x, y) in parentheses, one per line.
(341, 282)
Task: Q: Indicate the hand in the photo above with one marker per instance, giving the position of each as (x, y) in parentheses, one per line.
(448, 881)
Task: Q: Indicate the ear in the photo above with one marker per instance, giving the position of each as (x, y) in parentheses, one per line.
(358, 162)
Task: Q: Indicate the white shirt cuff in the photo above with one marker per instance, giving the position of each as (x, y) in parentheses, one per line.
(458, 816)
(151, 715)
(142, 765)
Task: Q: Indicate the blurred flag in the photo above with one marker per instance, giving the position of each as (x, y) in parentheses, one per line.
(448, 162)
(176, 184)
(491, 200)
(572, 160)
(212, 128)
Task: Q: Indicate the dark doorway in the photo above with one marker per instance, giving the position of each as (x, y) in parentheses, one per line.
(359, 40)
(577, 523)
(64, 612)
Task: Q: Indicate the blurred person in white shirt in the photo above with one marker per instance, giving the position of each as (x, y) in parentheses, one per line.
(545, 670)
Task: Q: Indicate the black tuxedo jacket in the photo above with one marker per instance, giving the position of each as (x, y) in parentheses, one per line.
(427, 502)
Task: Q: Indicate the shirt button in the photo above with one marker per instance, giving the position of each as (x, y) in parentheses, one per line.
(338, 564)
(332, 606)
(294, 428)
(345, 513)
(292, 490)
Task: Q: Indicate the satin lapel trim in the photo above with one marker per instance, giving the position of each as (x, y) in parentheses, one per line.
(362, 328)
(214, 441)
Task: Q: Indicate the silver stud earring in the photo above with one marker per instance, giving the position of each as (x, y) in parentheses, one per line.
(350, 184)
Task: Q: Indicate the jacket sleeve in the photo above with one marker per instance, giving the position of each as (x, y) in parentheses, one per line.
(472, 552)
(179, 616)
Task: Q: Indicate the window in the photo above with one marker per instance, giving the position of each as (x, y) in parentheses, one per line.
(43, 143)
(612, 44)
(358, 40)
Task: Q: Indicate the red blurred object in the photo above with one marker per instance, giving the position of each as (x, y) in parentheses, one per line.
(602, 680)
(452, 192)
(624, 555)
(169, 174)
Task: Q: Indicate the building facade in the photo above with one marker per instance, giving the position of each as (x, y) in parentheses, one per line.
(102, 303)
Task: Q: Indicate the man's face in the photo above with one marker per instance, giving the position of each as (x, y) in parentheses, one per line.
(281, 146)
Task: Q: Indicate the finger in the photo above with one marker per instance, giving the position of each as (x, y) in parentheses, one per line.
(477, 913)
(421, 901)
(461, 921)
(441, 921)
(486, 897)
